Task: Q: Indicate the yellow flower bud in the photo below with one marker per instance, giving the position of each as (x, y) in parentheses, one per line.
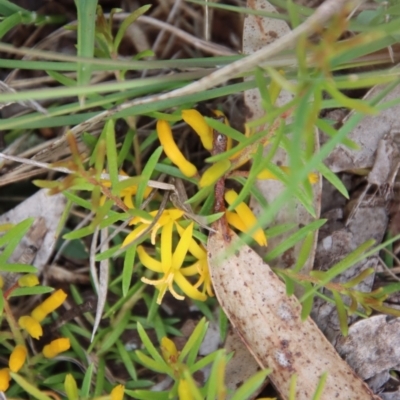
(212, 174)
(28, 280)
(118, 392)
(4, 379)
(199, 125)
(71, 388)
(168, 350)
(172, 151)
(31, 325)
(56, 347)
(17, 358)
(49, 305)
(247, 216)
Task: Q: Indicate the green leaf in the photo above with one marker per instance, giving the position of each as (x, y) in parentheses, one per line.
(194, 342)
(251, 385)
(150, 348)
(146, 175)
(152, 364)
(87, 381)
(28, 387)
(129, 262)
(112, 158)
(126, 22)
(114, 334)
(307, 304)
(12, 238)
(225, 129)
(18, 268)
(305, 251)
(342, 315)
(86, 10)
(126, 359)
(215, 384)
(293, 239)
(351, 259)
(30, 291)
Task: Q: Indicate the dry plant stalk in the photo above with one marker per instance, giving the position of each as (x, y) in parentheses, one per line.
(269, 323)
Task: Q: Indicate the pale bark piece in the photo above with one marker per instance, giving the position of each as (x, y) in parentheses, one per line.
(269, 323)
(372, 345)
(257, 33)
(42, 236)
(367, 134)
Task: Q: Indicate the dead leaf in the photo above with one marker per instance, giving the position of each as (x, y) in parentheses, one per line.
(269, 323)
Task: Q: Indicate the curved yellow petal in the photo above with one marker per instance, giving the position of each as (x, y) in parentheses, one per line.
(195, 249)
(133, 235)
(128, 201)
(172, 151)
(188, 288)
(199, 125)
(247, 216)
(166, 246)
(147, 261)
(191, 269)
(212, 174)
(234, 220)
(182, 247)
(175, 213)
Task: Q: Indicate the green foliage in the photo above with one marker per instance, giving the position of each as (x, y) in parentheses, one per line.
(124, 184)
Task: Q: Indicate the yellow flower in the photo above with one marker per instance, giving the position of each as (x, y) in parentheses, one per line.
(247, 218)
(172, 151)
(170, 265)
(118, 392)
(17, 358)
(56, 347)
(1, 282)
(31, 325)
(28, 280)
(4, 379)
(167, 215)
(49, 305)
(198, 123)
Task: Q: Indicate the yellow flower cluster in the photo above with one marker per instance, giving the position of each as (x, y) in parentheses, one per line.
(31, 323)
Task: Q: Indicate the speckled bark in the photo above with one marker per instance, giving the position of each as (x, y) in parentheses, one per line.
(269, 323)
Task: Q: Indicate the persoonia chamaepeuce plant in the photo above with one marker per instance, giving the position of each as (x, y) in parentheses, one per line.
(160, 234)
